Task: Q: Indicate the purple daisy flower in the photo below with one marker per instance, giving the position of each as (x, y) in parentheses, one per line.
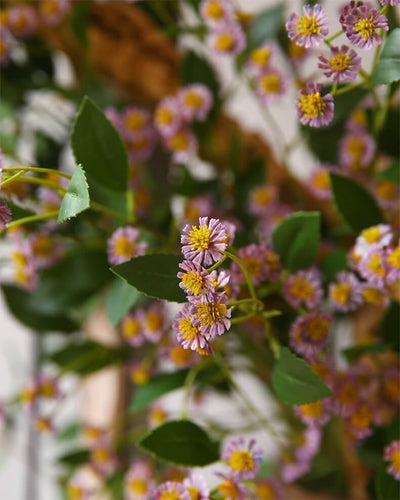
(46, 249)
(372, 265)
(182, 144)
(196, 280)
(310, 443)
(392, 265)
(315, 414)
(379, 236)
(215, 12)
(270, 489)
(359, 421)
(154, 321)
(260, 58)
(391, 453)
(77, 487)
(303, 288)
(375, 294)
(309, 29)
(103, 459)
(243, 459)
(213, 315)
(141, 146)
(22, 20)
(393, 3)
(196, 207)
(197, 486)
(312, 108)
(132, 329)
(123, 246)
(271, 84)
(361, 25)
(320, 182)
(232, 488)
(168, 116)
(138, 481)
(134, 120)
(53, 11)
(356, 150)
(345, 295)
(228, 38)
(196, 101)
(309, 333)
(263, 199)
(172, 489)
(342, 66)
(5, 214)
(205, 242)
(186, 326)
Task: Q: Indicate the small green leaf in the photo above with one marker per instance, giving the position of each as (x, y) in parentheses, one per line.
(357, 207)
(87, 357)
(333, 263)
(70, 431)
(294, 381)
(154, 275)
(75, 458)
(296, 239)
(265, 26)
(352, 353)
(120, 298)
(386, 486)
(181, 442)
(76, 199)
(196, 69)
(392, 173)
(157, 386)
(388, 68)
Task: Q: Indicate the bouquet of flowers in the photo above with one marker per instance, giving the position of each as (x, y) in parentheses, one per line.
(251, 316)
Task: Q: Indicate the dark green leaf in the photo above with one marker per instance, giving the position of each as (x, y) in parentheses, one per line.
(35, 315)
(87, 357)
(196, 69)
(76, 199)
(167, 382)
(333, 263)
(294, 381)
(357, 207)
(265, 26)
(181, 442)
(392, 173)
(75, 458)
(386, 486)
(388, 141)
(296, 239)
(352, 353)
(388, 68)
(120, 298)
(71, 431)
(98, 147)
(154, 275)
(391, 326)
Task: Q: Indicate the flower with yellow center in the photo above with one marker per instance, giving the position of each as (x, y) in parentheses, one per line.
(394, 258)
(224, 42)
(192, 99)
(302, 289)
(180, 141)
(213, 10)
(164, 116)
(311, 105)
(134, 121)
(261, 56)
(340, 293)
(271, 83)
(241, 461)
(366, 28)
(124, 247)
(138, 486)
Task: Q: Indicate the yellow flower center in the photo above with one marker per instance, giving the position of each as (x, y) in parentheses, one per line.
(263, 196)
(391, 388)
(301, 288)
(210, 312)
(153, 321)
(395, 460)
(387, 190)
(362, 417)
(158, 416)
(164, 116)
(124, 247)
(187, 329)
(307, 25)
(265, 492)
(312, 105)
(138, 486)
(214, 10)
(373, 296)
(179, 141)
(253, 266)
(130, 327)
(348, 394)
(134, 121)
(47, 389)
(224, 41)
(42, 425)
(199, 238)
(180, 356)
(170, 495)
(366, 28)
(42, 246)
(194, 493)
(140, 376)
(193, 100)
(321, 180)
(241, 460)
(3, 48)
(371, 235)
(138, 144)
(261, 56)
(228, 490)
(375, 265)
(271, 83)
(341, 292)
(312, 410)
(193, 282)
(340, 62)
(100, 455)
(75, 492)
(317, 328)
(49, 7)
(296, 51)
(394, 258)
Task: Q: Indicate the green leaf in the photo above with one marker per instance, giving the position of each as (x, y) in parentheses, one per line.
(357, 207)
(392, 173)
(75, 458)
(296, 239)
(388, 68)
(181, 442)
(294, 381)
(157, 387)
(76, 199)
(333, 263)
(120, 298)
(35, 315)
(386, 486)
(154, 275)
(352, 353)
(70, 431)
(87, 357)
(265, 26)
(196, 69)
(391, 326)
(98, 147)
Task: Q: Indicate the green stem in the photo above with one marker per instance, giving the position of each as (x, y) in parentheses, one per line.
(41, 182)
(37, 169)
(217, 264)
(370, 85)
(32, 218)
(245, 273)
(241, 319)
(335, 35)
(346, 89)
(189, 381)
(12, 178)
(105, 210)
